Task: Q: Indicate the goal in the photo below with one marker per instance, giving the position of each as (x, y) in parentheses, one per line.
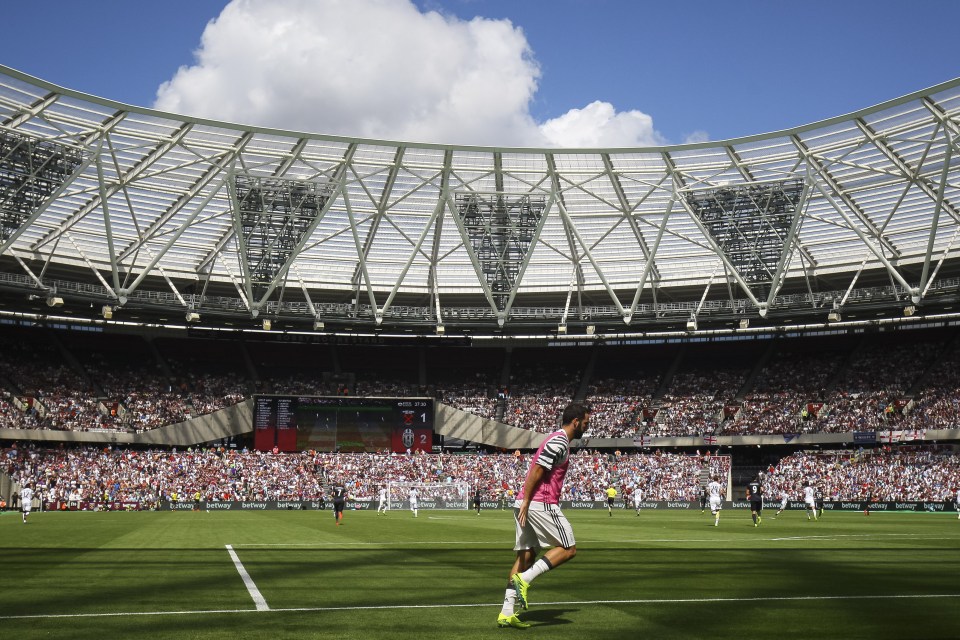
(430, 495)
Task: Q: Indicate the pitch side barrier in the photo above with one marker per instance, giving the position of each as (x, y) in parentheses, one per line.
(363, 505)
(439, 505)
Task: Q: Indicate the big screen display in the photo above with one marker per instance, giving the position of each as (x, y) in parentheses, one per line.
(342, 423)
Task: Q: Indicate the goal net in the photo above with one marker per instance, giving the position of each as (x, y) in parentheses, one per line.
(430, 495)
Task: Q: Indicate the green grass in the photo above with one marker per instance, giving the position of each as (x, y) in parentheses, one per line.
(665, 574)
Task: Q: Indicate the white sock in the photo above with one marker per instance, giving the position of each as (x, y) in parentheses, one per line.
(539, 567)
(509, 599)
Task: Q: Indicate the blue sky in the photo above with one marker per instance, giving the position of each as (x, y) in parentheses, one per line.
(657, 72)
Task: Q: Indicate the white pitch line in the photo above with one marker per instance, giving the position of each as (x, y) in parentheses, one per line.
(397, 607)
(258, 598)
(604, 541)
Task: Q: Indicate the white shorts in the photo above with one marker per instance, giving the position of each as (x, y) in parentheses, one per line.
(811, 504)
(546, 527)
(26, 507)
(715, 503)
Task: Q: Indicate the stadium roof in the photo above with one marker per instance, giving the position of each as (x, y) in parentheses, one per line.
(167, 212)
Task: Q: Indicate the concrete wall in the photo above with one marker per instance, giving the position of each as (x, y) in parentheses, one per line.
(466, 426)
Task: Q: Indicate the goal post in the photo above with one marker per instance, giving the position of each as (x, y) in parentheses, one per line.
(430, 495)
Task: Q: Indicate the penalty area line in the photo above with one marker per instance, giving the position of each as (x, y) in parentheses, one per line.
(248, 582)
(398, 607)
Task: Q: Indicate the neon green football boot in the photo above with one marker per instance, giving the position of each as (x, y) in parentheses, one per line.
(511, 621)
(521, 586)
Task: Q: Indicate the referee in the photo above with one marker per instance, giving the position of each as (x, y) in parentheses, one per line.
(611, 494)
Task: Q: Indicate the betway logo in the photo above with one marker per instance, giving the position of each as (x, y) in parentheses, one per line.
(219, 505)
(849, 505)
(648, 505)
(912, 506)
(253, 505)
(678, 505)
(582, 505)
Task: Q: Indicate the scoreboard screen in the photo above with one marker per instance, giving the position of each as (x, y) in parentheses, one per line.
(342, 423)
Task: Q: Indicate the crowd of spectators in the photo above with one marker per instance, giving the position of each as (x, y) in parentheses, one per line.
(694, 404)
(906, 473)
(864, 390)
(618, 405)
(97, 393)
(937, 403)
(94, 474)
(873, 380)
(537, 396)
(787, 383)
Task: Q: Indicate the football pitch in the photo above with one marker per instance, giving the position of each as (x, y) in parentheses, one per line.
(293, 574)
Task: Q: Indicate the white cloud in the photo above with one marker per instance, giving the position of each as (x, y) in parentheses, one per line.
(599, 125)
(696, 136)
(381, 69)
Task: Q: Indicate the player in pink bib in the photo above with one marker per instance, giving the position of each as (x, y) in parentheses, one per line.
(539, 521)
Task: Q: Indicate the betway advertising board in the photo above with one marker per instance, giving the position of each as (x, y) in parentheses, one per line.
(364, 505)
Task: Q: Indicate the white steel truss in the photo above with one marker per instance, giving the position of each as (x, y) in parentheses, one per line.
(150, 214)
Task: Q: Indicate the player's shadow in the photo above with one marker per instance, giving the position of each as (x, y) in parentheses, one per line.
(547, 617)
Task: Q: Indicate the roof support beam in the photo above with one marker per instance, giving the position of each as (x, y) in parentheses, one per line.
(576, 275)
(437, 214)
(649, 266)
(46, 204)
(744, 171)
(108, 229)
(433, 282)
(939, 199)
(379, 215)
(844, 197)
(626, 211)
(913, 175)
(224, 175)
(135, 171)
(680, 182)
(780, 273)
(914, 291)
(339, 190)
(227, 235)
(568, 222)
(32, 112)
